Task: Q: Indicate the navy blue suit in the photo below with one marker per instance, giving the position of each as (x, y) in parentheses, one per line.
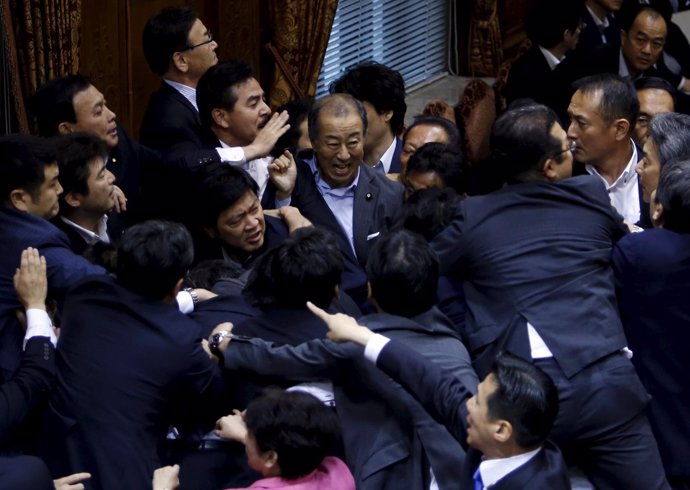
(540, 252)
(395, 161)
(125, 364)
(590, 36)
(444, 397)
(653, 283)
(19, 230)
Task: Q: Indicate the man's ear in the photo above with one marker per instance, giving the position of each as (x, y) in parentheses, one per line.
(657, 214)
(65, 127)
(211, 232)
(270, 458)
(549, 170)
(387, 116)
(503, 432)
(622, 127)
(218, 116)
(180, 62)
(72, 200)
(19, 199)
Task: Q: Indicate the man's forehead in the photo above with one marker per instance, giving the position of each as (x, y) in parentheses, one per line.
(650, 23)
(90, 96)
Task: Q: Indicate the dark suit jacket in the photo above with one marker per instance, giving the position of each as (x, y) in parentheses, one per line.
(386, 434)
(538, 252)
(590, 36)
(25, 473)
(19, 230)
(395, 161)
(653, 283)
(444, 397)
(531, 77)
(170, 119)
(377, 204)
(27, 390)
(124, 363)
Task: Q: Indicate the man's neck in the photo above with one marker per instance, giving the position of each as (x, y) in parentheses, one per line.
(614, 166)
(598, 10)
(631, 69)
(559, 50)
(373, 155)
(181, 78)
(226, 137)
(85, 220)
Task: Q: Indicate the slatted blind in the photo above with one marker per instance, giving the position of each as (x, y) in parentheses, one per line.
(407, 35)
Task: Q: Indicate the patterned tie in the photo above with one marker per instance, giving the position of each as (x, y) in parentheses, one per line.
(478, 483)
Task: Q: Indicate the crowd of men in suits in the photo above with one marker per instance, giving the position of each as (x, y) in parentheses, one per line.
(504, 339)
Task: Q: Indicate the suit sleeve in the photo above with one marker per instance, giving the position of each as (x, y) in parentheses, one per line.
(316, 359)
(66, 268)
(448, 243)
(441, 393)
(29, 387)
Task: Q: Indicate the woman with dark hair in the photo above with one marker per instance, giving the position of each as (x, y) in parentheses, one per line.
(288, 436)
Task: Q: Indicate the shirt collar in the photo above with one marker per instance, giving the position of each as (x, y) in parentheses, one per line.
(627, 173)
(187, 92)
(601, 24)
(493, 470)
(387, 156)
(324, 187)
(89, 236)
(550, 58)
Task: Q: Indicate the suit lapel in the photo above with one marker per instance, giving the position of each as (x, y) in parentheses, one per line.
(363, 219)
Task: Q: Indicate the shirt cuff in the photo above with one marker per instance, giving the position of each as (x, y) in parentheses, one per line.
(680, 85)
(374, 347)
(185, 302)
(39, 325)
(234, 156)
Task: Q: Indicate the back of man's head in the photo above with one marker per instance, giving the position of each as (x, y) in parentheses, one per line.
(76, 152)
(546, 21)
(521, 141)
(216, 88)
(617, 98)
(164, 34)
(338, 105)
(673, 194)
(306, 267)
(381, 86)
(153, 257)
(23, 159)
(446, 162)
(52, 103)
(403, 273)
(429, 211)
(526, 397)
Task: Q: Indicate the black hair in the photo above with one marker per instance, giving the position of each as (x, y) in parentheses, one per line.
(166, 33)
(381, 86)
(216, 88)
(403, 272)
(546, 21)
(153, 256)
(306, 267)
(297, 426)
(452, 130)
(617, 97)
(23, 159)
(631, 10)
(219, 187)
(76, 152)
(207, 273)
(521, 141)
(299, 112)
(526, 397)
(447, 162)
(673, 193)
(340, 105)
(52, 103)
(429, 211)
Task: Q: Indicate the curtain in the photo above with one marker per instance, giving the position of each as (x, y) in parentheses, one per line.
(46, 33)
(301, 29)
(485, 48)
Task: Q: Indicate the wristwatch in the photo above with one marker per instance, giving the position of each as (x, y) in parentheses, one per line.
(192, 293)
(215, 341)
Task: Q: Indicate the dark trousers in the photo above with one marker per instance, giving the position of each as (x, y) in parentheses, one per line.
(601, 426)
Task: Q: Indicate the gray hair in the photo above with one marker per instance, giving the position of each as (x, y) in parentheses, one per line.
(671, 134)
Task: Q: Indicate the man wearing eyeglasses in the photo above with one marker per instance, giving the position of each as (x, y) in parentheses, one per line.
(178, 48)
(656, 96)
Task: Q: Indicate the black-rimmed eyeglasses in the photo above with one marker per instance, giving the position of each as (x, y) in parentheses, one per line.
(572, 146)
(209, 40)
